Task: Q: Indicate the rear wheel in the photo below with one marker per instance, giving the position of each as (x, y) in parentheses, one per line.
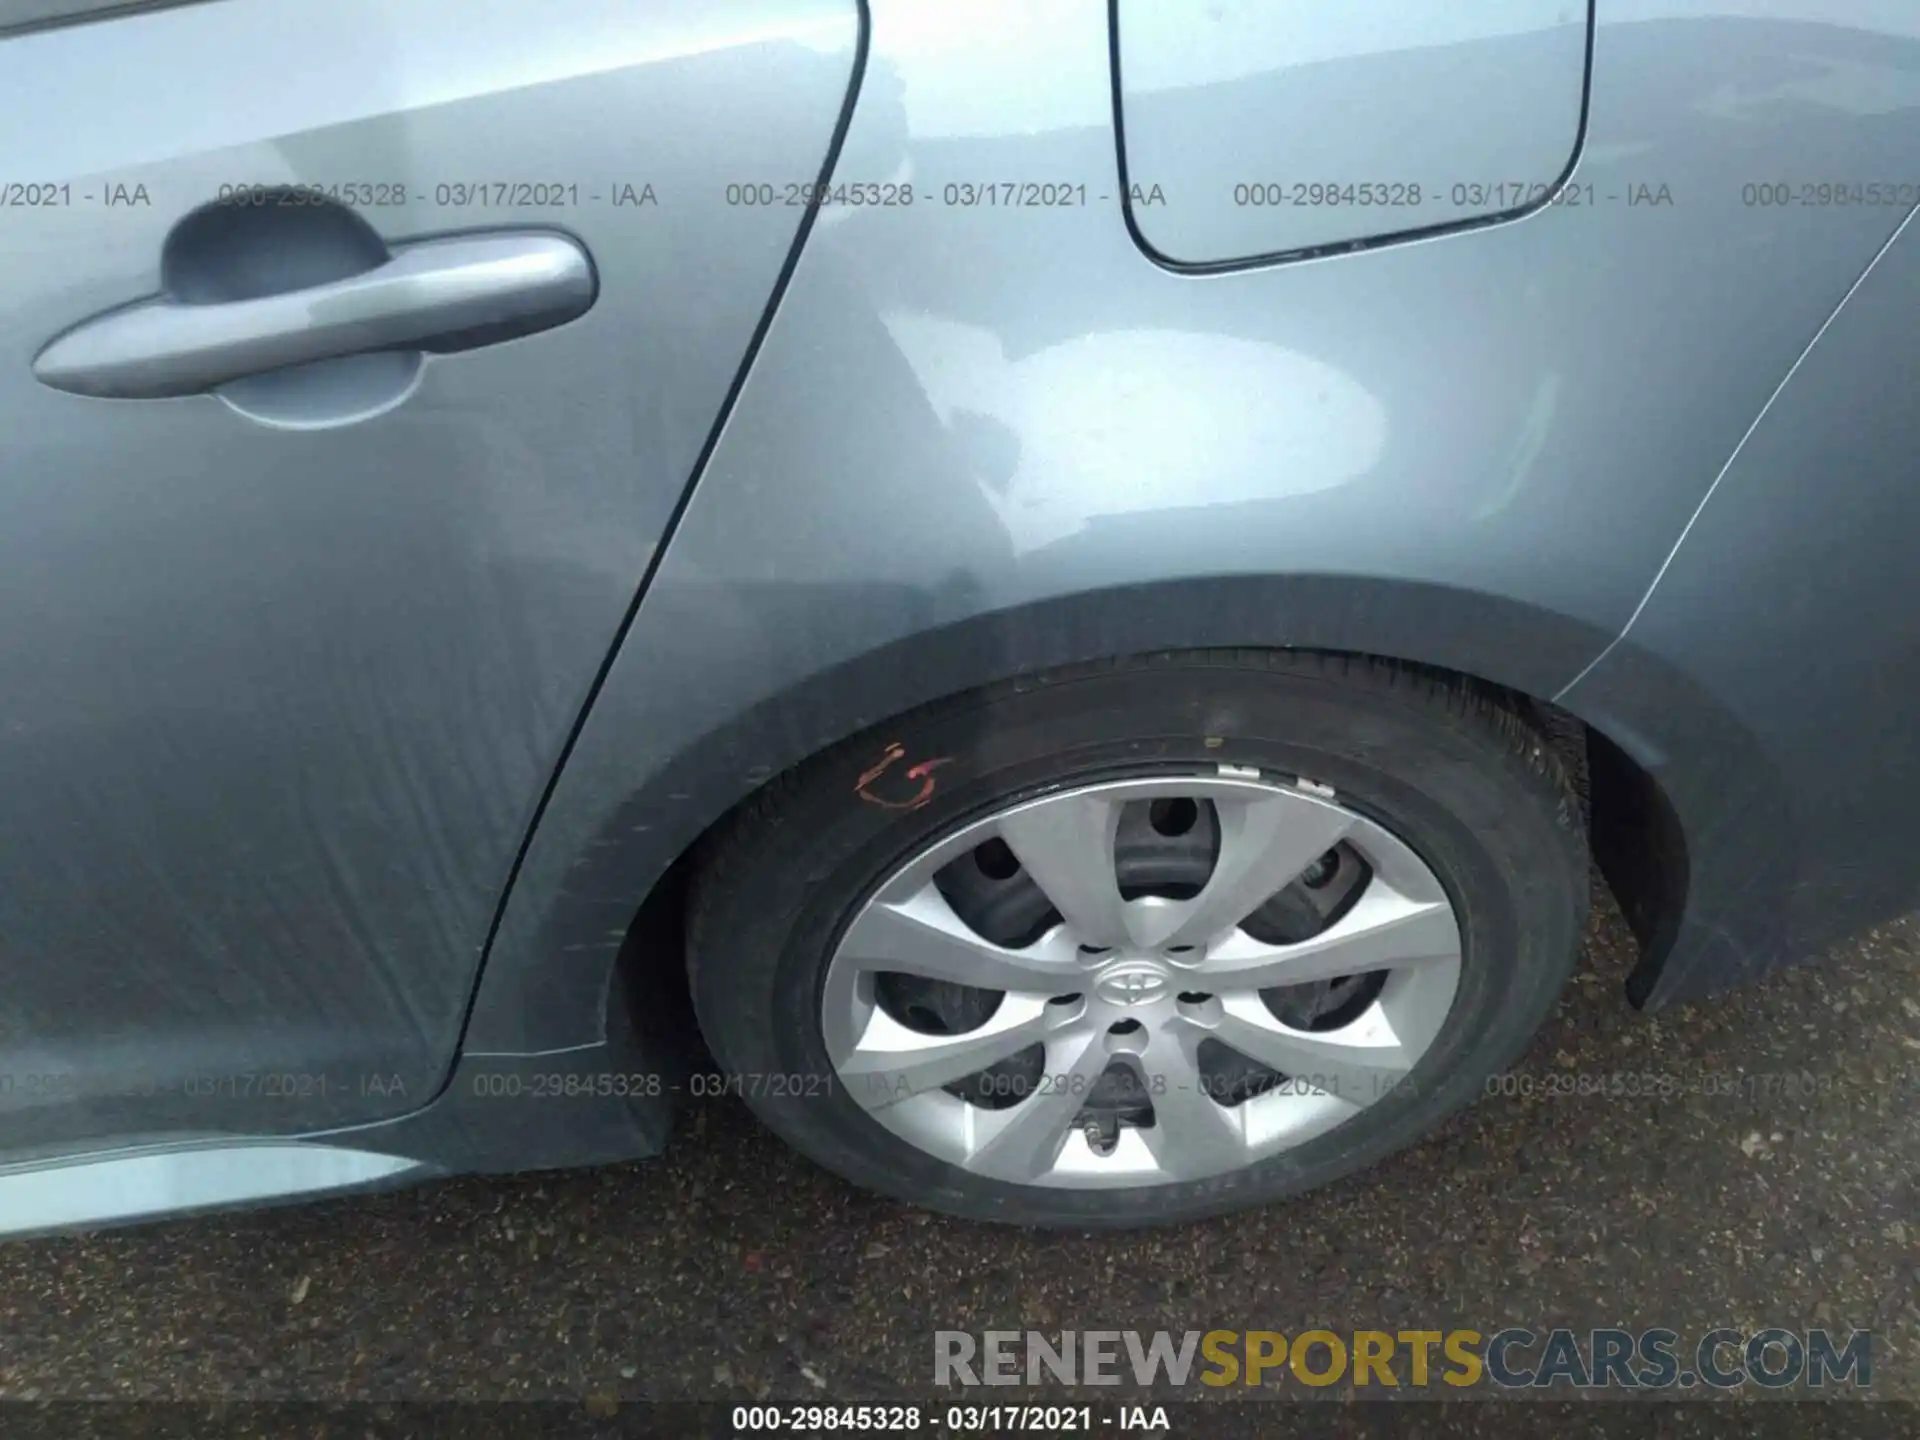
(1142, 942)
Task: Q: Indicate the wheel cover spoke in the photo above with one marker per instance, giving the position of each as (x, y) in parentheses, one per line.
(1358, 1063)
(890, 1063)
(920, 935)
(1265, 844)
(1066, 845)
(1024, 1141)
(1385, 929)
(1193, 1134)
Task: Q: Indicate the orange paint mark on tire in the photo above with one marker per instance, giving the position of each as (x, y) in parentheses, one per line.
(923, 772)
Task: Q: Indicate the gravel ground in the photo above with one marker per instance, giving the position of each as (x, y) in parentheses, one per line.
(733, 1269)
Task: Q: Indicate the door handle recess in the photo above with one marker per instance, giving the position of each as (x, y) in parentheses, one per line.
(443, 294)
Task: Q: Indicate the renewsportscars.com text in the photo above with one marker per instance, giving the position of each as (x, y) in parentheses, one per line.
(1513, 1358)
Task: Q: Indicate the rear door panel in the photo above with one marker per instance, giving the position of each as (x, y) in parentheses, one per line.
(278, 704)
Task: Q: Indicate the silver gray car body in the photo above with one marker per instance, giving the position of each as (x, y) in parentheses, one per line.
(349, 714)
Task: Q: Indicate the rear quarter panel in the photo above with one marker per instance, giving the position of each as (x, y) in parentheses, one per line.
(981, 440)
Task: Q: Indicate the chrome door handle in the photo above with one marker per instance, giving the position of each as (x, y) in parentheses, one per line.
(493, 286)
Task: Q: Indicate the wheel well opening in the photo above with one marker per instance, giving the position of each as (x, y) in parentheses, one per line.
(1633, 832)
(649, 993)
(1641, 849)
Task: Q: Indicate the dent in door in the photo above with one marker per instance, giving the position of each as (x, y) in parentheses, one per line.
(1275, 128)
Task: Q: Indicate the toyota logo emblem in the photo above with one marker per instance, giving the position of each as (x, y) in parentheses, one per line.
(1133, 983)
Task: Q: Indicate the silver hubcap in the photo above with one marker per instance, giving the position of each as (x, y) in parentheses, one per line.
(1159, 986)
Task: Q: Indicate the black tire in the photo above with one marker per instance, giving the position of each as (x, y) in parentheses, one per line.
(1444, 763)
